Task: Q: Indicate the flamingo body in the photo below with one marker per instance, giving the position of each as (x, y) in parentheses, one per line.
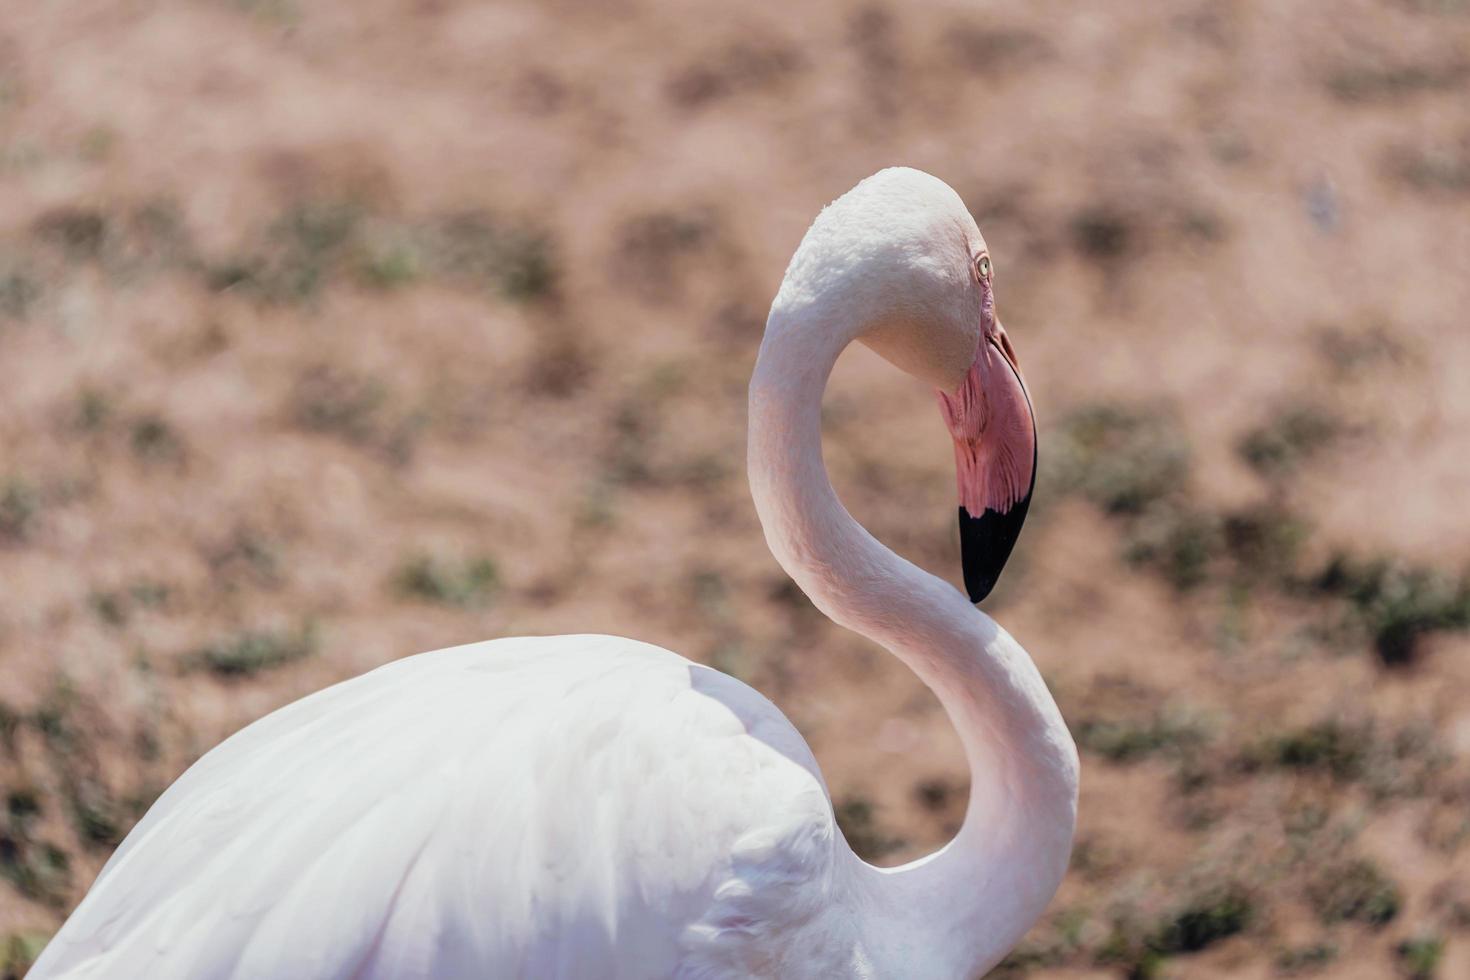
(571, 806)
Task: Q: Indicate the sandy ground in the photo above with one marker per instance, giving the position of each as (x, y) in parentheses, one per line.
(332, 332)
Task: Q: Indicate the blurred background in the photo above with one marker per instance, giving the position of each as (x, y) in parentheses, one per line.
(333, 332)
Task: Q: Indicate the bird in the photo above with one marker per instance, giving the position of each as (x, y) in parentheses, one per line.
(593, 806)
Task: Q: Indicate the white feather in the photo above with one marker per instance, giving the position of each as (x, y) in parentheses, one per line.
(571, 806)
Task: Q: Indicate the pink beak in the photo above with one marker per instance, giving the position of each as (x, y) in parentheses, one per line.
(994, 434)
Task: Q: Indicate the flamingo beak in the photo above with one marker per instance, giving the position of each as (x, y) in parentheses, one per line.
(994, 432)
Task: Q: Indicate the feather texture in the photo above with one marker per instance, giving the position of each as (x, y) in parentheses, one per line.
(543, 807)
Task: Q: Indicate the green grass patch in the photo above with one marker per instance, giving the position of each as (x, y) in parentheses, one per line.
(389, 261)
(1349, 351)
(358, 409)
(19, 289)
(1204, 920)
(155, 440)
(1418, 957)
(1396, 604)
(248, 556)
(1180, 543)
(300, 249)
(1305, 959)
(1122, 458)
(1278, 447)
(469, 583)
(94, 410)
(20, 510)
(858, 821)
(1375, 79)
(1131, 741)
(314, 243)
(1433, 169)
(1392, 764)
(1264, 543)
(95, 814)
(253, 652)
(1104, 233)
(115, 607)
(19, 952)
(1330, 747)
(1204, 917)
(80, 232)
(1054, 944)
(1355, 891)
(39, 870)
(478, 250)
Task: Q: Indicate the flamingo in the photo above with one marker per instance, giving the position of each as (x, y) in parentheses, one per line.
(593, 806)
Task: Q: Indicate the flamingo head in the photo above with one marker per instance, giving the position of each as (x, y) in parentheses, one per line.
(898, 263)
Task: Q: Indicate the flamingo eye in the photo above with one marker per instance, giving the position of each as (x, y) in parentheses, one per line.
(983, 267)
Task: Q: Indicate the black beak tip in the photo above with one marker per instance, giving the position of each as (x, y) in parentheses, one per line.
(979, 586)
(986, 543)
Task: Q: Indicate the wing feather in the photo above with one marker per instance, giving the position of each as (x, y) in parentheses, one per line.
(551, 807)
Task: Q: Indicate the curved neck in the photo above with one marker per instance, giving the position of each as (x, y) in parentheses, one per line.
(962, 908)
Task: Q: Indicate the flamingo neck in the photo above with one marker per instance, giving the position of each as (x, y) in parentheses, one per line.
(962, 908)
